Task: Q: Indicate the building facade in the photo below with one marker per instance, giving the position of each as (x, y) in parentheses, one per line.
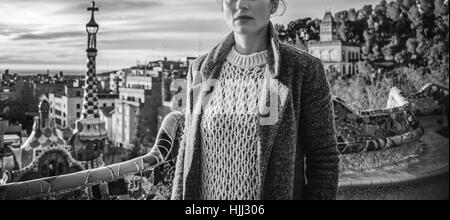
(106, 114)
(118, 80)
(66, 107)
(129, 106)
(336, 55)
(145, 98)
(44, 153)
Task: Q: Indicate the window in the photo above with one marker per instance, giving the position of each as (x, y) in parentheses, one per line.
(78, 115)
(104, 104)
(78, 106)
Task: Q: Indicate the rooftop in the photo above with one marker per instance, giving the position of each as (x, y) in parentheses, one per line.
(107, 111)
(328, 17)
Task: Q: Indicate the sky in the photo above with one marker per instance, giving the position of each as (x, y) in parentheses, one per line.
(36, 35)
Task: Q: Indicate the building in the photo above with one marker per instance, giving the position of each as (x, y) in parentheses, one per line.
(107, 100)
(12, 133)
(6, 93)
(335, 54)
(134, 101)
(1, 138)
(6, 157)
(106, 115)
(89, 136)
(44, 153)
(5, 75)
(137, 105)
(66, 106)
(117, 80)
(104, 79)
(45, 88)
(145, 98)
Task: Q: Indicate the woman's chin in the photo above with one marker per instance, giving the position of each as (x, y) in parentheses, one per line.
(244, 29)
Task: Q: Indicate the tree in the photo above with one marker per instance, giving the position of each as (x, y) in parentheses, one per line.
(380, 9)
(407, 4)
(366, 11)
(440, 9)
(341, 16)
(352, 15)
(412, 45)
(393, 11)
(426, 6)
(403, 31)
(342, 31)
(415, 16)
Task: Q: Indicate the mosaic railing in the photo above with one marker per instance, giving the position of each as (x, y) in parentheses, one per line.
(431, 99)
(374, 130)
(132, 179)
(392, 133)
(375, 138)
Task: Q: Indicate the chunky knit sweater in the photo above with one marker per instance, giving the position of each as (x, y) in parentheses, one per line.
(229, 169)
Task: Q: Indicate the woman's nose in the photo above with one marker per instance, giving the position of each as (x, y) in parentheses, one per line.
(241, 4)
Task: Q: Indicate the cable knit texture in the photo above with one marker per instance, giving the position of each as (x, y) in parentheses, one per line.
(229, 130)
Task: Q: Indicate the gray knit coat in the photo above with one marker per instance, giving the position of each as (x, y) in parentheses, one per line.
(298, 157)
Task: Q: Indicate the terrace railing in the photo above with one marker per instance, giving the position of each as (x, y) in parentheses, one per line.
(358, 132)
(105, 179)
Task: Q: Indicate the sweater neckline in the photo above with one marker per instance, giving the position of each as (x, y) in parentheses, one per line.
(252, 60)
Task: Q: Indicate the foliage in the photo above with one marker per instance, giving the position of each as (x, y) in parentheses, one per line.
(409, 32)
(404, 43)
(372, 91)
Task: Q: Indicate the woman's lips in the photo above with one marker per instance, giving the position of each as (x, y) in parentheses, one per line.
(243, 17)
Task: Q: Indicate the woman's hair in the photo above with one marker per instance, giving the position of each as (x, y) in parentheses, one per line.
(281, 4)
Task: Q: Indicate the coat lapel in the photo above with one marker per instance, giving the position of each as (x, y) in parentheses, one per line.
(273, 102)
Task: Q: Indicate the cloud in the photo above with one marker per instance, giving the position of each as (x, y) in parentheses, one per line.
(112, 6)
(52, 31)
(188, 25)
(50, 36)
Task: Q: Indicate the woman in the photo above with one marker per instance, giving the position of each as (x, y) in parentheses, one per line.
(256, 110)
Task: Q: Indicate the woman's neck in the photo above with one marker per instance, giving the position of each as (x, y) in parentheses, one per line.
(253, 43)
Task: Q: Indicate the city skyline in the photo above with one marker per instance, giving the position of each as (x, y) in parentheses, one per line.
(50, 34)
